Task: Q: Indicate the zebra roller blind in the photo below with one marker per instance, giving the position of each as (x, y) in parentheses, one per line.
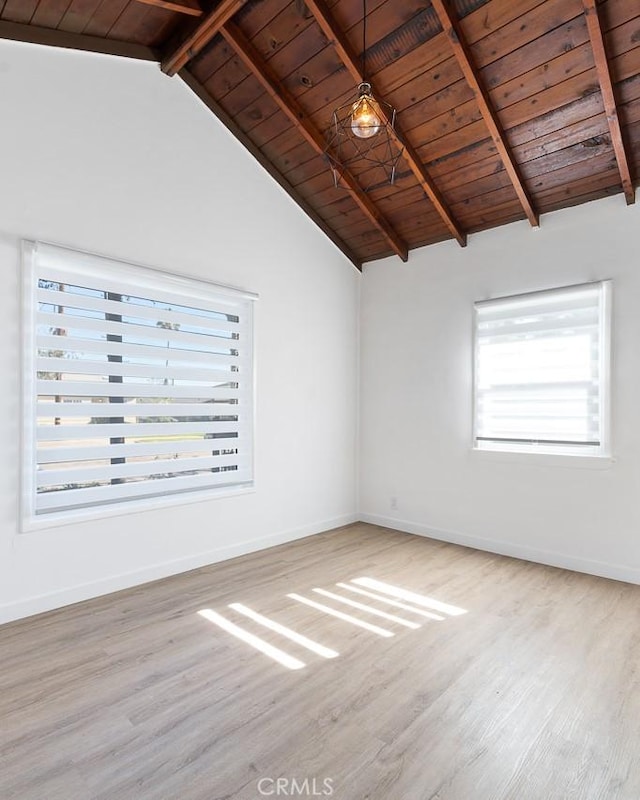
(541, 370)
(138, 384)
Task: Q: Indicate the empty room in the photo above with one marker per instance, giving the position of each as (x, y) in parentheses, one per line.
(321, 452)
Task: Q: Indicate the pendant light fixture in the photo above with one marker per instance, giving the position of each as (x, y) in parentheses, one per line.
(365, 114)
(360, 136)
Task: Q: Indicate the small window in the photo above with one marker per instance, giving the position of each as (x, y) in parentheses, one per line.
(542, 371)
(138, 384)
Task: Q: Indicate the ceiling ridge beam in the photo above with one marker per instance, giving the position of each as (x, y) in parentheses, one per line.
(199, 90)
(596, 37)
(200, 36)
(182, 6)
(462, 53)
(288, 104)
(349, 58)
(19, 32)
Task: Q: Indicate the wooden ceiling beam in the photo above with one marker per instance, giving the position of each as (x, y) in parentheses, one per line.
(462, 53)
(200, 35)
(19, 32)
(288, 104)
(608, 97)
(349, 58)
(182, 6)
(199, 90)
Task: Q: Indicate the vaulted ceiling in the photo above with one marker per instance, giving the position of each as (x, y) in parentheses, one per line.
(507, 109)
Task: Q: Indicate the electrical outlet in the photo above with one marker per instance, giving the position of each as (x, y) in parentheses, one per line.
(394, 503)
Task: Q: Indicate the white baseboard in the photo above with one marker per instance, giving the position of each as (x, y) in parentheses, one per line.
(76, 594)
(550, 558)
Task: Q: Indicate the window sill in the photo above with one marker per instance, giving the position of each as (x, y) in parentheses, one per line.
(544, 459)
(94, 513)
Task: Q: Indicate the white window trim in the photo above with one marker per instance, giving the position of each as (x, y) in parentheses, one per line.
(146, 279)
(533, 454)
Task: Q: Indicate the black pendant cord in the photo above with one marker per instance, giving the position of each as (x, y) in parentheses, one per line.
(364, 41)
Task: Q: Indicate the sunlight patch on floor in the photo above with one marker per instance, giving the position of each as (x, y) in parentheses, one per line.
(340, 615)
(395, 603)
(369, 609)
(255, 641)
(412, 597)
(319, 649)
(370, 588)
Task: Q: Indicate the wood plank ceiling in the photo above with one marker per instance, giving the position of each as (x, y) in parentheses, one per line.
(507, 109)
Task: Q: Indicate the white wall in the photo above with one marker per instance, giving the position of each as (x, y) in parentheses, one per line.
(416, 419)
(111, 156)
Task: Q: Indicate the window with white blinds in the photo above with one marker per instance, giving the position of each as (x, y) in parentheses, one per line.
(542, 371)
(138, 384)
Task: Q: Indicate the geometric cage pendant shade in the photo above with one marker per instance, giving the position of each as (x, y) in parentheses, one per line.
(360, 135)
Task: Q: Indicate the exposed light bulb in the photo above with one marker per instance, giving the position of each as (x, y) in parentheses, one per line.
(365, 117)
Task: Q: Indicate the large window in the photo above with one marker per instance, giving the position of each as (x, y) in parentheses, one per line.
(138, 384)
(542, 371)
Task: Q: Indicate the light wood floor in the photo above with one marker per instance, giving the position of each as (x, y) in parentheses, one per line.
(533, 694)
